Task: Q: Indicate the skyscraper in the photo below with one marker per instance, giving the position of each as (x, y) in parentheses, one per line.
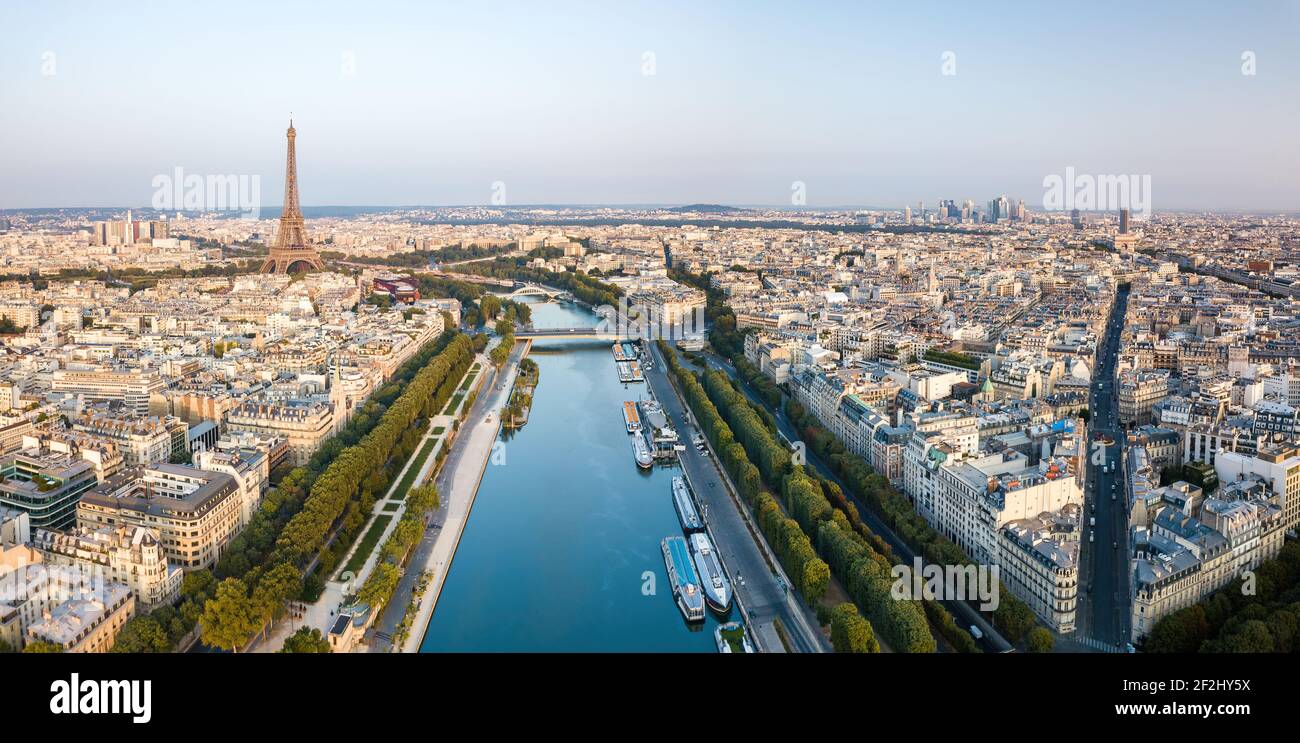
(291, 253)
(1123, 221)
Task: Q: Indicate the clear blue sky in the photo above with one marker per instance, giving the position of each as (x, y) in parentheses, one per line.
(747, 98)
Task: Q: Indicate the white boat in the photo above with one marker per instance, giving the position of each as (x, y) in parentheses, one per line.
(644, 459)
(713, 579)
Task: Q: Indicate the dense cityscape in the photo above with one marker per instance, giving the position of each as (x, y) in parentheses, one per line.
(213, 415)
(583, 345)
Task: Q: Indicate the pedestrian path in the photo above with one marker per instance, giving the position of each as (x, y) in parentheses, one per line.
(458, 483)
(321, 613)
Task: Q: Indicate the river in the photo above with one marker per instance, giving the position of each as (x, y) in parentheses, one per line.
(562, 545)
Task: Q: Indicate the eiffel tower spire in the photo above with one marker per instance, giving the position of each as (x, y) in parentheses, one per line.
(291, 252)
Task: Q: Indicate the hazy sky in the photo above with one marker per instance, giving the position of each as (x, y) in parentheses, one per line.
(551, 99)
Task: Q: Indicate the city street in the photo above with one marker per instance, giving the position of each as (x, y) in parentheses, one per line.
(1104, 564)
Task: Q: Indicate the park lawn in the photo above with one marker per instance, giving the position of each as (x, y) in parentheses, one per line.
(453, 403)
(412, 471)
(367, 544)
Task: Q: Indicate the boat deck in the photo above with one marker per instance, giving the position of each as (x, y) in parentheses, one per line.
(682, 565)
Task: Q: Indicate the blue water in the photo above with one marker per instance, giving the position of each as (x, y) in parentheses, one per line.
(564, 539)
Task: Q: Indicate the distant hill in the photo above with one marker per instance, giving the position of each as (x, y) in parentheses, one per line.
(707, 209)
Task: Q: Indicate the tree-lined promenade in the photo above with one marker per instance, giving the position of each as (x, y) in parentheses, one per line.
(759, 465)
(1013, 618)
(309, 520)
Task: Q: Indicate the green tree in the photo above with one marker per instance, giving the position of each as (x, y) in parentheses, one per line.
(1013, 618)
(851, 632)
(276, 586)
(380, 585)
(230, 619)
(142, 634)
(41, 646)
(198, 583)
(422, 499)
(816, 579)
(1039, 640)
(1182, 631)
(306, 640)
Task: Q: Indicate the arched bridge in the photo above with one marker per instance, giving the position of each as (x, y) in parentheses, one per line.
(536, 290)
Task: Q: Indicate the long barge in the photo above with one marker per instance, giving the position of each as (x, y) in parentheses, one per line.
(681, 575)
(687, 514)
(631, 418)
(630, 371)
(623, 351)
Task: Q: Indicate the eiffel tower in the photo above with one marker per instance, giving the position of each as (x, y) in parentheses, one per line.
(291, 253)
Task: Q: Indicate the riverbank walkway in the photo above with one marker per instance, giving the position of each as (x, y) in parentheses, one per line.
(385, 515)
(458, 482)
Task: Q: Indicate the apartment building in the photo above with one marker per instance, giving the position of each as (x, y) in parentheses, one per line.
(86, 625)
(141, 440)
(132, 388)
(976, 497)
(1202, 442)
(1138, 392)
(46, 484)
(304, 426)
(249, 468)
(1277, 466)
(21, 314)
(132, 556)
(1194, 547)
(1038, 561)
(196, 513)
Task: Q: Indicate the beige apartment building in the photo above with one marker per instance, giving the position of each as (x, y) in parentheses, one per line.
(1138, 392)
(141, 440)
(1038, 561)
(1192, 551)
(86, 625)
(132, 556)
(303, 426)
(132, 388)
(196, 513)
(1278, 467)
